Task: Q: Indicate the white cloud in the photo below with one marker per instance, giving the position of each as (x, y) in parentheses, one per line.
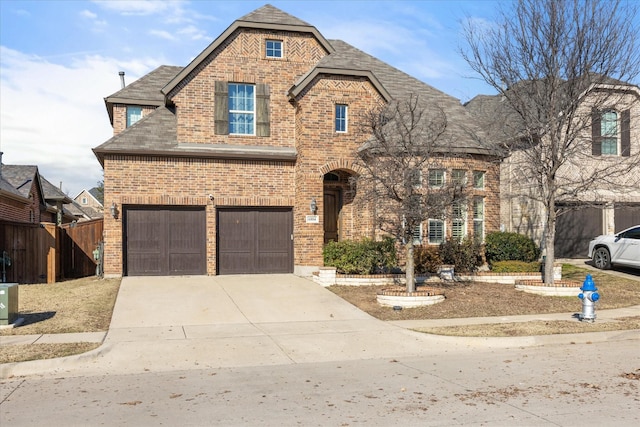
(193, 32)
(162, 34)
(52, 115)
(139, 7)
(88, 14)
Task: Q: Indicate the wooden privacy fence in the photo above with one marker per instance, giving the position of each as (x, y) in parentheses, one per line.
(46, 253)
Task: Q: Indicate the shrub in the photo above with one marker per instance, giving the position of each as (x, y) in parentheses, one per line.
(504, 246)
(361, 257)
(426, 259)
(465, 255)
(515, 267)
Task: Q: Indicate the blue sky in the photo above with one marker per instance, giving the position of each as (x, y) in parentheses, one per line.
(60, 59)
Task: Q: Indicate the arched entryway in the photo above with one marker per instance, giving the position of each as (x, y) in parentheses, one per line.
(338, 194)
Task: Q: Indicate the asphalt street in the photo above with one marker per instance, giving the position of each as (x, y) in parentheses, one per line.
(560, 385)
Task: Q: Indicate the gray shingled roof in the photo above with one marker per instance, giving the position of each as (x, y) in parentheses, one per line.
(97, 194)
(147, 88)
(5, 186)
(157, 131)
(20, 177)
(53, 193)
(268, 14)
(463, 128)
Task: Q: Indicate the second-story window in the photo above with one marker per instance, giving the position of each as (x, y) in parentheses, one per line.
(478, 180)
(273, 49)
(609, 132)
(341, 118)
(241, 109)
(134, 114)
(436, 178)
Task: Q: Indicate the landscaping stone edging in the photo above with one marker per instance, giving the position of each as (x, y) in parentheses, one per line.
(563, 288)
(397, 297)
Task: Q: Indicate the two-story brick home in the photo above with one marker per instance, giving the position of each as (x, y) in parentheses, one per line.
(607, 147)
(241, 161)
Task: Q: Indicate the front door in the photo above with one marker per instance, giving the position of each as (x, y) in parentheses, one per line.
(332, 204)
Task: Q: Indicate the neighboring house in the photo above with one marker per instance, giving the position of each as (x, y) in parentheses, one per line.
(89, 203)
(44, 201)
(25, 181)
(609, 137)
(241, 161)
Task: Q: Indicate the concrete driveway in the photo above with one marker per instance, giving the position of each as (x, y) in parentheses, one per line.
(176, 323)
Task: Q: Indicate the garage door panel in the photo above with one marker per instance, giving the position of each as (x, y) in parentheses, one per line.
(626, 216)
(165, 240)
(574, 230)
(255, 240)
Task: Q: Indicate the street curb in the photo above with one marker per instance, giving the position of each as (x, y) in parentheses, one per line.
(42, 367)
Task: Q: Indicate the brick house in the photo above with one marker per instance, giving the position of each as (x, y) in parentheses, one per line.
(240, 161)
(609, 138)
(89, 202)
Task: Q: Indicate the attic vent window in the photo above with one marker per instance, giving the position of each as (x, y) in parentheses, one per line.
(274, 49)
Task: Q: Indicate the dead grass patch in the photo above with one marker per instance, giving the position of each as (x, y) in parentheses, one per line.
(472, 299)
(27, 352)
(537, 327)
(80, 305)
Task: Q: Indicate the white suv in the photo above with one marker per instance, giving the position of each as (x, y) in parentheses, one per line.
(619, 249)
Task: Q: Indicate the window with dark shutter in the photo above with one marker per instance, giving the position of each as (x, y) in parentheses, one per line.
(262, 110)
(625, 134)
(596, 139)
(221, 108)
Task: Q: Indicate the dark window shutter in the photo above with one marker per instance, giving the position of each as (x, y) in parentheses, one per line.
(221, 108)
(262, 110)
(625, 135)
(596, 139)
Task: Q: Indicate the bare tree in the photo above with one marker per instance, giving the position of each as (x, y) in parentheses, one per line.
(555, 64)
(406, 140)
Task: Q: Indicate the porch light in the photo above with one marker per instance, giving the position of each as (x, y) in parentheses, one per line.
(114, 210)
(313, 206)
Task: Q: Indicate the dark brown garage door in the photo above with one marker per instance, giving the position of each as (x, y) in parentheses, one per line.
(255, 240)
(163, 241)
(626, 216)
(574, 230)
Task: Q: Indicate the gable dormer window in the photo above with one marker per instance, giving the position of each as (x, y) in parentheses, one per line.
(611, 134)
(134, 113)
(273, 48)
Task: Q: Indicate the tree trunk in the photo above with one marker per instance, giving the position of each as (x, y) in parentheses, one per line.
(410, 269)
(549, 245)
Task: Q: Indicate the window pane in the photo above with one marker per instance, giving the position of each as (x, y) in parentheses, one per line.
(459, 177)
(133, 115)
(609, 124)
(459, 229)
(478, 179)
(341, 118)
(274, 49)
(478, 219)
(417, 234)
(436, 178)
(241, 109)
(609, 146)
(436, 231)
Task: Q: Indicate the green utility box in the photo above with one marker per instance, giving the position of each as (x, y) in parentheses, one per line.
(8, 303)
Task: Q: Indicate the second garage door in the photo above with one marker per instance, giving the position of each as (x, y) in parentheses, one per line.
(255, 240)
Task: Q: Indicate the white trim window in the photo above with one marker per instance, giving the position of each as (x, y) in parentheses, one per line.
(417, 234)
(459, 177)
(609, 133)
(341, 118)
(478, 219)
(459, 221)
(273, 48)
(435, 231)
(478, 180)
(242, 109)
(134, 113)
(436, 178)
